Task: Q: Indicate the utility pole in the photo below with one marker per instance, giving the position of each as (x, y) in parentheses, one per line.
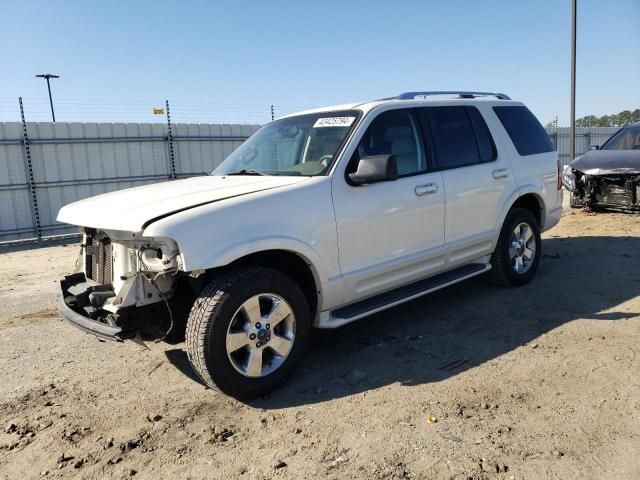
(572, 130)
(47, 76)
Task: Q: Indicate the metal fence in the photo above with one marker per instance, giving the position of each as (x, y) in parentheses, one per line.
(45, 165)
(584, 138)
(38, 109)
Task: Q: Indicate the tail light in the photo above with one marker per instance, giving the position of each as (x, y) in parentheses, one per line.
(559, 185)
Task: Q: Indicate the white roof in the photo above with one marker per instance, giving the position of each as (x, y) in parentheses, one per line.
(416, 102)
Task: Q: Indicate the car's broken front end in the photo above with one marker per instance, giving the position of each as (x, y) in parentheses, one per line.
(123, 284)
(617, 192)
(605, 180)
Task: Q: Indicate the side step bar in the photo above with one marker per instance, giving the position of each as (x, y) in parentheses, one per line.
(400, 295)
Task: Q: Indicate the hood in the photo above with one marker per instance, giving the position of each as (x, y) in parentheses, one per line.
(608, 162)
(133, 209)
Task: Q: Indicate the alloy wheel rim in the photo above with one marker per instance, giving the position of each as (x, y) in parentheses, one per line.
(522, 248)
(260, 335)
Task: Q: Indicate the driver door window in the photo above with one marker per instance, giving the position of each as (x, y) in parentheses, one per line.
(395, 133)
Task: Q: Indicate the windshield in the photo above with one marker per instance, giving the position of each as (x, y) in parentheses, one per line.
(625, 139)
(301, 145)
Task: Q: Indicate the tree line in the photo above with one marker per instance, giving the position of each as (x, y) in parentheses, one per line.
(616, 120)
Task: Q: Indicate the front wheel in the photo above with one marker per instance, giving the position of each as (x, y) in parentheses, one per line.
(517, 254)
(248, 331)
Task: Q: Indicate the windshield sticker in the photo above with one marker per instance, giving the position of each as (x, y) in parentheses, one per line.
(334, 122)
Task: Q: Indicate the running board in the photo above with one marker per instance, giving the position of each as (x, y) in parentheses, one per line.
(400, 295)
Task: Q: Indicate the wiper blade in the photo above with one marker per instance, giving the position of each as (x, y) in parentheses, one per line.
(247, 171)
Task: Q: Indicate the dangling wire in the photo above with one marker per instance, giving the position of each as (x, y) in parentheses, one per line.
(166, 302)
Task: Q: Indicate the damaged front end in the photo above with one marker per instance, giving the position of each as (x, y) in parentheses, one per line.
(124, 284)
(605, 191)
(605, 179)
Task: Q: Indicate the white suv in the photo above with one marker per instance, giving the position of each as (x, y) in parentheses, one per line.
(317, 220)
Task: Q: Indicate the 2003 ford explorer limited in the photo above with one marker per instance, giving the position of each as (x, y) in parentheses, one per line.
(319, 219)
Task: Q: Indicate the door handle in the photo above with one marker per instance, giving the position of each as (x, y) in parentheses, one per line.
(500, 173)
(426, 189)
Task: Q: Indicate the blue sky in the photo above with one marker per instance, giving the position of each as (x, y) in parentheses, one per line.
(223, 59)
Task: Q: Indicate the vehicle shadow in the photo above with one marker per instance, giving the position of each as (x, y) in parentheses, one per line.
(178, 358)
(448, 332)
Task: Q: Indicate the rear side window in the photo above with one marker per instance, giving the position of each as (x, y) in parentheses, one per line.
(524, 129)
(486, 147)
(460, 136)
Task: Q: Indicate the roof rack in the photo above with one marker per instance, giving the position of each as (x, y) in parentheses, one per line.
(461, 94)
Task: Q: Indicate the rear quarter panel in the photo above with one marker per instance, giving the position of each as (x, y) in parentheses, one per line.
(536, 174)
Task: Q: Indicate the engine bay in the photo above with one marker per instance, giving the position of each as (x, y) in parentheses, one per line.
(617, 192)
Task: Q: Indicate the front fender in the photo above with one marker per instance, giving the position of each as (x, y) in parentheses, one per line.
(298, 219)
(231, 253)
(329, 291)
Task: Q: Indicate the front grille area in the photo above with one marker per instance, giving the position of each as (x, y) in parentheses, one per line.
(99, 263)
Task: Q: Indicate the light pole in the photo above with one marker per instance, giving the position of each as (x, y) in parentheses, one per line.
(47, 76)
(572, 131)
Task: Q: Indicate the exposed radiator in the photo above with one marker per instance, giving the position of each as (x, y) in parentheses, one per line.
(99, 263)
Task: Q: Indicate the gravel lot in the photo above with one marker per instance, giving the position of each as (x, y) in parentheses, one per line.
(472, 382)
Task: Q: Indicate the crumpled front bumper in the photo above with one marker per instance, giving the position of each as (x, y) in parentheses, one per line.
(75, 307)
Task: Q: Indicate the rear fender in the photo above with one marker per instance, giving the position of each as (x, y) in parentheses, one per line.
(511, 200)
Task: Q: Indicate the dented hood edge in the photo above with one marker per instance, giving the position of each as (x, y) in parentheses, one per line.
(608, 162)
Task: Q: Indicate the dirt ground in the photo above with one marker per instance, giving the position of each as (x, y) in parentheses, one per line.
(472, 382)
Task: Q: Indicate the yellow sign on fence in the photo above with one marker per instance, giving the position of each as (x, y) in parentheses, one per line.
(158, 111)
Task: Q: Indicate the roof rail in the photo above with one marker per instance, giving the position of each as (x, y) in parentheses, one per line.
(461, 94)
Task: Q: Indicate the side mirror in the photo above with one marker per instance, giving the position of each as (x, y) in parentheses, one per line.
(375, 168)
(594, 147)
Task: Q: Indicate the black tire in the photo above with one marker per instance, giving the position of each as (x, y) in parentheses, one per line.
(502, 272)
(574, 201)
(209, 321)
(181, 303)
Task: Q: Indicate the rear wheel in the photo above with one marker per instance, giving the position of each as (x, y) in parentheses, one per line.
(517, 254)
(248, 331)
